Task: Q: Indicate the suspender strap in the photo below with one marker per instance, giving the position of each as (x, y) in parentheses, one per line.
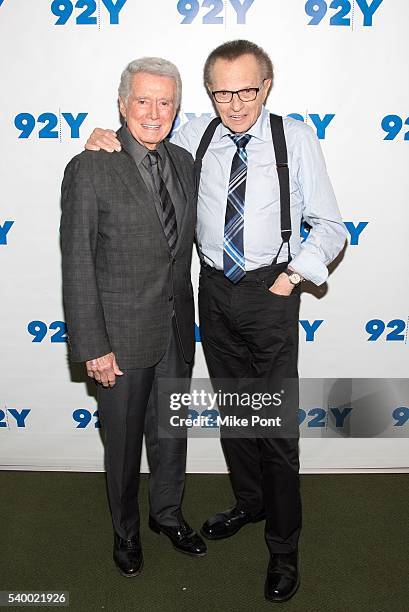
(203, 146)
(280, 150)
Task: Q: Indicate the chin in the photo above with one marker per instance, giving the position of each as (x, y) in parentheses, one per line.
(239, 127)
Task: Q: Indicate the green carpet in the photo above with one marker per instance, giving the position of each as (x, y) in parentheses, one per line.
(55, 534)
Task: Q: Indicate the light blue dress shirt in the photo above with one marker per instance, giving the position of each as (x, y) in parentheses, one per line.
(312, 197)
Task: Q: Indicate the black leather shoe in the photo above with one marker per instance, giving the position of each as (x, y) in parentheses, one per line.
(183, 537)
(282, 579)
(128, 556)
(226, 524)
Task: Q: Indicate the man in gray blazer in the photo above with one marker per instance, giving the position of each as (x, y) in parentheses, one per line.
(127, 232)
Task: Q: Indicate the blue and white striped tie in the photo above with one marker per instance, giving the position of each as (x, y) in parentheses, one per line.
(233, 248)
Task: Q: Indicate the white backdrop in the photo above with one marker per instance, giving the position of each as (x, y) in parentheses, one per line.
(341, 66)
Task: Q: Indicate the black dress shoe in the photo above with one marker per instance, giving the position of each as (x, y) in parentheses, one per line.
(226, 524)
(128, 556)
(282, 579)
(182, 536)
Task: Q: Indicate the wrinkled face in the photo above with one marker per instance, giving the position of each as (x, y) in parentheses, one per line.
(241, 73)
(150, 108)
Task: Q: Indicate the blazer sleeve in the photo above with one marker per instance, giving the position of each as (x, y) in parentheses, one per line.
(87, 334)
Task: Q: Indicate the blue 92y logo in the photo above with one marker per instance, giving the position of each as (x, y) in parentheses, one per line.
(52, 125)
(189, 9)
(18, 416)
(392, 125)
(391, 331)
(4, 230)
(339, 11)
(401, 416)
(319, 417)
(353, 228)
(86, 11)
(83, 418)
(39, 330)
(320, 124)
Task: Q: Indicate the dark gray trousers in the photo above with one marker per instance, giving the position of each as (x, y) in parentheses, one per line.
(126, 411)
(247, 332)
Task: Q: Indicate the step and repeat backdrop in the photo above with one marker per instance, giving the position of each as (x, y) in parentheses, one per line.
(341, 67)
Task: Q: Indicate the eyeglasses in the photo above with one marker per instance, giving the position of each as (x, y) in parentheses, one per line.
(245, 95)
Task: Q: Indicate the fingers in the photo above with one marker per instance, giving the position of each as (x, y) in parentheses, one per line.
(105, 375)
(103, 139)
(97, 376)
(92, 142)
(91, 365)
(107, 379)
(103, 370)
(110, 143)
(117, 371)
(91, 147)
(93, 370)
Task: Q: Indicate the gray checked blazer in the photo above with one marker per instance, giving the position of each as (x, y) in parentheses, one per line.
(121, 284)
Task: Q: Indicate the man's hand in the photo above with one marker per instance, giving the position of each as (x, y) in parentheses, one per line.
(104, 369)
(282, 285)
(103, 139)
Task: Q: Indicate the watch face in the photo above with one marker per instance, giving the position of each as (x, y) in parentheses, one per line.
(295, 278)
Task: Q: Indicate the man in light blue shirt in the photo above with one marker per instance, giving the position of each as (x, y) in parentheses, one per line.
(249, 204)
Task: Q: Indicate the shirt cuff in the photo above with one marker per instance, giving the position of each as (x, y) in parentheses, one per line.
(310, 267)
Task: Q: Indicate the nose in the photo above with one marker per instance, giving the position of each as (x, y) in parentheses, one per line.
(236, 103)
(154, 110)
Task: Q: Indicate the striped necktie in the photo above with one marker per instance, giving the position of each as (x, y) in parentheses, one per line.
(233, 248)
(168, 210)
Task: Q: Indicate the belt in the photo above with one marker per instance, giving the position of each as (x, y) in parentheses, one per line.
(251, 275)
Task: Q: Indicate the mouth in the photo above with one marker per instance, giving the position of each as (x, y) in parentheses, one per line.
(148, 126)
(237, 117)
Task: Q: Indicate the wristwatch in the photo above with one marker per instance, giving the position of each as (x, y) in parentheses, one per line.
(294, 278)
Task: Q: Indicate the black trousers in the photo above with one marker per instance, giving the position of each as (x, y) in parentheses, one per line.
(247, 332)
(126, 411)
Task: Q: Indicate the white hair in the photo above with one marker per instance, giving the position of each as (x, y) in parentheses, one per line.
(150, 65)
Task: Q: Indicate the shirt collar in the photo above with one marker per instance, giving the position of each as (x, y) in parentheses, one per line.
(259, 130)
(137, 151)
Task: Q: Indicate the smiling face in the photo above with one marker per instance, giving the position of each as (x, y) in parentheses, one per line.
(150, 108)
(240, 73)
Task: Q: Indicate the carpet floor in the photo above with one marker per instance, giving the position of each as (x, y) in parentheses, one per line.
(55, 534)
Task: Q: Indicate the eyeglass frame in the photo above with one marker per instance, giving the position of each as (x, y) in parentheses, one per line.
(257, 90)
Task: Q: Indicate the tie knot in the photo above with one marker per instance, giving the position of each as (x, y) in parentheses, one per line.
(153, 157)
(240, 140)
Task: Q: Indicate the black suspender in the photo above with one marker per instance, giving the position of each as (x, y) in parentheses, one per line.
(203, 146)
(280, 150)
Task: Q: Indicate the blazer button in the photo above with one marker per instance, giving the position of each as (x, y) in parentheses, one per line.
(173, 261)
(170, 298)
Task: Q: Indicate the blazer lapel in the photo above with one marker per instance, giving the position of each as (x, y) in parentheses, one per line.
(128, 171)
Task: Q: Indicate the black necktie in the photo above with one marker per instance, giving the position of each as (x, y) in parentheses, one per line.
(168, 210)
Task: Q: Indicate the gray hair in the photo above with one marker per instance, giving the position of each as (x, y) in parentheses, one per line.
(151, 65)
